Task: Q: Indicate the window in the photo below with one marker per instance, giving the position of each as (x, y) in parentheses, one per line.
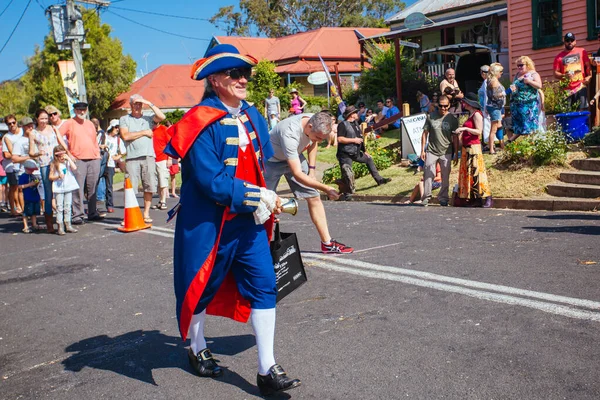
(547, 23)
(593, 13)
(320, 90)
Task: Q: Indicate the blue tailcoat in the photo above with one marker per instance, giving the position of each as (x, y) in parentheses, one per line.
(207, 142)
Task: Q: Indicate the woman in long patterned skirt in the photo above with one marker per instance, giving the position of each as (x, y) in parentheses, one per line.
(473, 186)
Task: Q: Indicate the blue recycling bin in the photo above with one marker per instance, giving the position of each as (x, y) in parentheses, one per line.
(575, 125)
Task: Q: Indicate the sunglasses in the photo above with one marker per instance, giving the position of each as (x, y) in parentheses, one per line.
(569, 40)
(238, 73)
(388, 102)
(444, 105)
(11, 123)
(53, 114)
(520, 65)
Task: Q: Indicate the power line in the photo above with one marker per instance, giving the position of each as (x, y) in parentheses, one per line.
(15, 28)
(156, 29)
(160, 14)
(19, 74)
(6, 8)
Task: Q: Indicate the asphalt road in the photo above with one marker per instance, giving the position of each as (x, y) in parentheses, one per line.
(436, 303)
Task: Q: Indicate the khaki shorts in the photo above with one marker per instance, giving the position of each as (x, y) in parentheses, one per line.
(142, 169)
(162, 172)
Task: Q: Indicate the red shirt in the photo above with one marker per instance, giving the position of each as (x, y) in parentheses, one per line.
(575, 61)
(160, 139)
(468, 137)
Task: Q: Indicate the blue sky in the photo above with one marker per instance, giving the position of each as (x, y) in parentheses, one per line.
(161, 48)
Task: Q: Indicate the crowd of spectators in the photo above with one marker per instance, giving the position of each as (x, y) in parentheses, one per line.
(65, 169)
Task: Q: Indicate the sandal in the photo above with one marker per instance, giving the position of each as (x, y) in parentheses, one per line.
(26, 230)
(148, 220)
(162, 206)
(156, 206)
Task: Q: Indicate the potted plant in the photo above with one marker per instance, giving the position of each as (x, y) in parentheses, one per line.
(573, 123)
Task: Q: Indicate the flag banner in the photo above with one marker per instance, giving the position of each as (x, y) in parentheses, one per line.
(69, 79)
(332, 87)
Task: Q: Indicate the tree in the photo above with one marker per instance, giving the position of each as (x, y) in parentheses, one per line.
(379, 81)
(264, 79)
(107, 71)
(276, 18)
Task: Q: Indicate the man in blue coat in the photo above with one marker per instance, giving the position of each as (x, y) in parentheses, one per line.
(222, 260)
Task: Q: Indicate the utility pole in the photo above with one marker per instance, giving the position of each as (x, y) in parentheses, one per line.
(75, 36)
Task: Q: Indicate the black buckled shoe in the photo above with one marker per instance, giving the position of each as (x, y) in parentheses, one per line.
(276, 381)
(204, 364)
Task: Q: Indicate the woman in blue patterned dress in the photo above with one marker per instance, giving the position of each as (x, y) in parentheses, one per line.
(524, 107)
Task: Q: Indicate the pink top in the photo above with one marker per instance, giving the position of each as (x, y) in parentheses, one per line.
(82, 139)
(296, 104)
(2, 171)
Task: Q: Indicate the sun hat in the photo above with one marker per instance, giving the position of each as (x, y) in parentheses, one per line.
(472, 99)
(485, 68)
(220, 58)
(30, 164)
(113, 123)
(50, 109)
(26, 121)
(349, 111)
(293, 90)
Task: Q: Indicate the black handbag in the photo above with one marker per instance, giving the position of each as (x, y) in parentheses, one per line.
(287, 261)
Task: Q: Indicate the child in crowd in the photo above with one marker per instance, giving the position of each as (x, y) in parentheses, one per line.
(28, 184)
(63, 186)
(417, 193)
(173, 171)
(273, 121)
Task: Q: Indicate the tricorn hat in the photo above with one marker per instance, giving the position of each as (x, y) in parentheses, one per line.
(220, 58)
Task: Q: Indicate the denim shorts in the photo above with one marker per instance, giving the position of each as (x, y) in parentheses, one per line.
(495, 113)
(31, 208)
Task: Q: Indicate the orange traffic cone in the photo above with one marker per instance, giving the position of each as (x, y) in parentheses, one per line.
(134, 220)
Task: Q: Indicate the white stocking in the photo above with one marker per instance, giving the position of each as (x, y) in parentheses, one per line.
(197, 341)
(263, 324)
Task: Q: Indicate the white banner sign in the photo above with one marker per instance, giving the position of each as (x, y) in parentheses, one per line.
(412, 132)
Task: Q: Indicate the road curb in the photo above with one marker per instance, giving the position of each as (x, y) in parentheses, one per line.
(543, 204)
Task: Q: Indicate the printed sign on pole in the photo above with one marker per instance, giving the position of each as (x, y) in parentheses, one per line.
(69, 78)
(412, 131)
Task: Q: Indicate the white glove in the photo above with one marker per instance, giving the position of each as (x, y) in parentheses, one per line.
(261, 214)
(268, 197)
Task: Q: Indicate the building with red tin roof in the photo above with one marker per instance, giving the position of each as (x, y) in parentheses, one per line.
(297, 56)
(169, 87)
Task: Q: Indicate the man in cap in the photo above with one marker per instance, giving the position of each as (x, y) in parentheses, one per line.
(436, 147)
(573, 64)
(136, 130)
(222, 262)
(351, 149)
(80, 133)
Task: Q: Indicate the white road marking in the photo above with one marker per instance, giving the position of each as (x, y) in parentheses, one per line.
(462, 282)
(377, 247)
(332, 264)
(151, 231)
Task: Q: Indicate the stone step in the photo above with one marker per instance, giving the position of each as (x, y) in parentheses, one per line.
(581, 177)
(573, 190)
(588, 164)
(549, 204)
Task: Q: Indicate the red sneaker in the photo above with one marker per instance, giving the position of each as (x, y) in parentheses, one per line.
(335, 247)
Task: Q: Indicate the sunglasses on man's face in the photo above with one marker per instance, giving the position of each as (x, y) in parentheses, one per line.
(569, 40)
(238, 73)
(444, 105)
(11, 123)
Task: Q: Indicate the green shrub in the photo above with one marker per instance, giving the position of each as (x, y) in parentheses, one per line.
(549, 148)
(383, 158)
(592, 138)
(556, 97)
